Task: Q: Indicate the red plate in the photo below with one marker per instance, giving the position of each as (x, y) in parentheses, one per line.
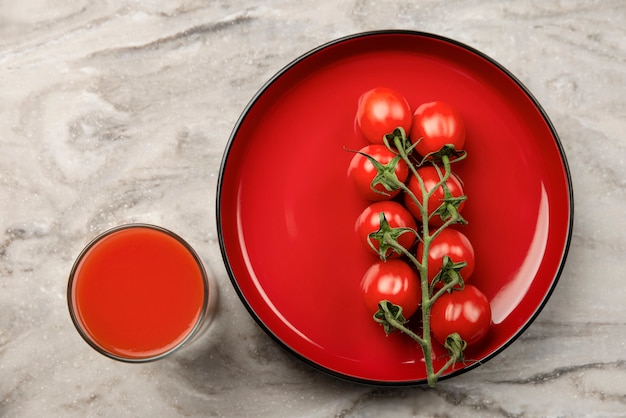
(286, 209)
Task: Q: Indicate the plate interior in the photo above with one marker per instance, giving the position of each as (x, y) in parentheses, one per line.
(287, 210)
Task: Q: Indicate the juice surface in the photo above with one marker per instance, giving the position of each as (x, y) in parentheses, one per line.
(138, 292)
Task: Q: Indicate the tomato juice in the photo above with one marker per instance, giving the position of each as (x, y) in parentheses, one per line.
(138, 292)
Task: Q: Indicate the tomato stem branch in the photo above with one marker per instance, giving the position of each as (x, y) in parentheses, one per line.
(432, 380)
(400, 327)
(446, 288)
(389, 314)
(428, 298)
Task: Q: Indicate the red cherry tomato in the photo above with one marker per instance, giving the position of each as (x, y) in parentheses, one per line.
(380, 111)
(455, 245)
(395, 281)
(397, 217)
(434, 125)
(362, 172)
(430, 177)
(466, 312)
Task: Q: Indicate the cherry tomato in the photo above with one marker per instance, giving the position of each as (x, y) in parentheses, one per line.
(363, 172)
(466, 312)
(430, 177)
(380, 111)
(434, 125)
(395, 281)
(397, 217)
(455, 245)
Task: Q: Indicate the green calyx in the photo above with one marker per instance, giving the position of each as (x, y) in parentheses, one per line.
(446, 152)
(389, 316)
(387, 238)
(455, 346)
(385, 174)
(399, 141)
(450, 274)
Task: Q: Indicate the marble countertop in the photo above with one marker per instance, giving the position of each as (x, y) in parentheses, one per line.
(116, 112)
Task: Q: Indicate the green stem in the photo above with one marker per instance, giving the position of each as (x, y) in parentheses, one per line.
(410, 193)
(399, 248)
(429, 295)
(433, 380)
(426, 194)
(446, 224)
(400, 327)
(422, 265)
(443, 290)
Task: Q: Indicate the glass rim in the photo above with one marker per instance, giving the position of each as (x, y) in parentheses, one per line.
(78, 324)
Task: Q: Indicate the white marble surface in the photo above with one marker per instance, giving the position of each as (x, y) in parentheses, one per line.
(119, 111)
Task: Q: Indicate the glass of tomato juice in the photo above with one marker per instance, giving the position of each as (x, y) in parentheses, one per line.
(139, 292)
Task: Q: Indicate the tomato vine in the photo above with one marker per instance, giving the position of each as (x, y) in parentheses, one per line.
(426, 147)
(388, 314)
(391, 315)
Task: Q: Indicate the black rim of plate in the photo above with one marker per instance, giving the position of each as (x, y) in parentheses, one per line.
(314, 51)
